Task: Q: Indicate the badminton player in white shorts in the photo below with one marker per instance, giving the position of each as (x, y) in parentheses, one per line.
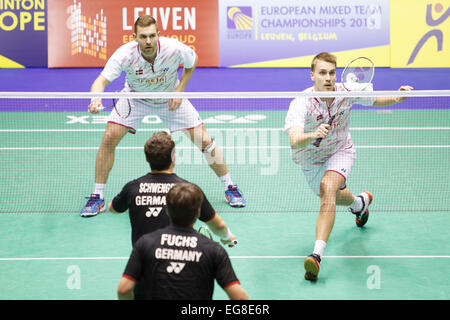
(327, 167)
(151, 64)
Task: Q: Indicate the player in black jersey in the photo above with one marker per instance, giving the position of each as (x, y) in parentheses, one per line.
(177, 262)
(145, 197)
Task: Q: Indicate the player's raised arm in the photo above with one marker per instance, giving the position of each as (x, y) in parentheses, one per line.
(389, 101)
(99, 85)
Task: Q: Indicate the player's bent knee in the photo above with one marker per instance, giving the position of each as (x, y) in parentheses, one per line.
(327, 190)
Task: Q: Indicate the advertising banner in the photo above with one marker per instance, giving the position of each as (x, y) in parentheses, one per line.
(420, 38)
(288, 33)
(23, 33)
(85, 33)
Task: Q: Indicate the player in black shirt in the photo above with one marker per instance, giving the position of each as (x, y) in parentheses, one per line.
(177, 262)
(145, 197)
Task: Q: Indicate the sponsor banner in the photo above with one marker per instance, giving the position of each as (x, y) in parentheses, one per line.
(420, 38)
(23, 33)
(85, 33)
(287, 33)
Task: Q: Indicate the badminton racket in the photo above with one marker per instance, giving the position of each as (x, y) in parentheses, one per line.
(356, 76)
(204, 230)
(122, 107)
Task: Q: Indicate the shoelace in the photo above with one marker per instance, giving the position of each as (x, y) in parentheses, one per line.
(235, 192)
(91, 201)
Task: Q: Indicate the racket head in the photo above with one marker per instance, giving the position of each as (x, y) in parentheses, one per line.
(122, 107)
(204, 230)
(358, 74)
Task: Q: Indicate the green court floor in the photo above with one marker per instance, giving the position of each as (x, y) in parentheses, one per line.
(48, 251)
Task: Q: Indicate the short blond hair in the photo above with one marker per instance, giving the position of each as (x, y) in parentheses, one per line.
(145, 21)
(323, 56)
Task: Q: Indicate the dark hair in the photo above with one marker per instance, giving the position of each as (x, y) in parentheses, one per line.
(183, 202)
(145, 21)
(323, 56)
(158, 151)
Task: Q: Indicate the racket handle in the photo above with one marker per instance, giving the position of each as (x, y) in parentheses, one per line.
(101, 108)
(317, 142)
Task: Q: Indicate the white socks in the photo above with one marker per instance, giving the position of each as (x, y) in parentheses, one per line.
(226, 180)
(99, 188)
(319, 247)
(357, 205)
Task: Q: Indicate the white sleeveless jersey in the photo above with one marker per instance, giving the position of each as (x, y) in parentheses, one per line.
(310, 112)
(141, 75)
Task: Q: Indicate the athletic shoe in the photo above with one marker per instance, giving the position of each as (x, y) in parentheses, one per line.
(234, 197)
(312, 267)
(94, 206)
(363, 215)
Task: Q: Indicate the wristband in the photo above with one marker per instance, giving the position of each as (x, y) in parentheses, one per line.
(228, 236)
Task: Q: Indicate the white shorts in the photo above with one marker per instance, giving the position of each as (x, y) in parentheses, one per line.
(183, 118)
(340, 162)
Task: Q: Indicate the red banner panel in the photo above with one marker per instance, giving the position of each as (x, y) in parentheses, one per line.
(85, 33)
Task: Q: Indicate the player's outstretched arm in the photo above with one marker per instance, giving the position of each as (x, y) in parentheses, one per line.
(389, 101)
(218, 226)
(99, 85)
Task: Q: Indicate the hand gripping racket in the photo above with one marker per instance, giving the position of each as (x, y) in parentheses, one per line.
(319, 140)
(356, 76)
(204, 230)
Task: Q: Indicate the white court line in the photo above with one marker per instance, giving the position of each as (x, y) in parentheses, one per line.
(234, 257)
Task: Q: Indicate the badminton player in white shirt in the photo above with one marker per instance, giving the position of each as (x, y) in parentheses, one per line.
(151, 64)
(327, 166)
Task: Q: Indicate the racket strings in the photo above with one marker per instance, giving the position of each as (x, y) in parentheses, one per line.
(123, 108)
(203, 230)
(358, 74)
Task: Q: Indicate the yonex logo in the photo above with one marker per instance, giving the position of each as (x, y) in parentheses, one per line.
(239, 18)
(153, 212)
(175, 267)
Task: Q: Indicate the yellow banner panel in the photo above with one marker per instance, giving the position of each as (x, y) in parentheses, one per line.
(420, 33)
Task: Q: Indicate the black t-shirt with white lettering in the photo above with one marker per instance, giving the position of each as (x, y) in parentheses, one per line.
(178, 263)
(145, 199)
